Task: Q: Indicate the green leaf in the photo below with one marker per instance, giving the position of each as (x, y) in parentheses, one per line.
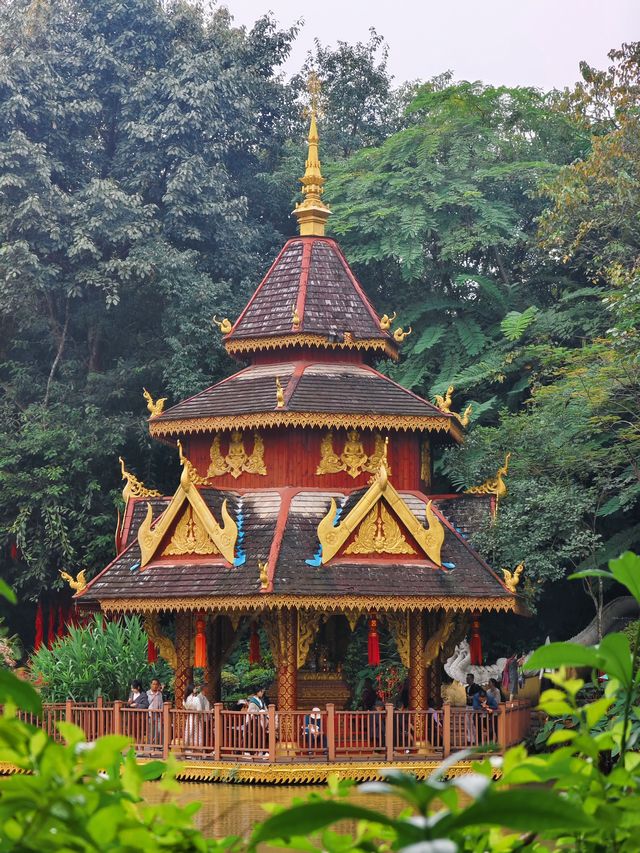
(626, 570)
(17, 692)
(532, 810)
(516, 323)
(615, 657)
(555, 655)
(7, 592)
(428, 338)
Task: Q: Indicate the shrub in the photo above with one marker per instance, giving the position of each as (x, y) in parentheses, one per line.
(100, 659)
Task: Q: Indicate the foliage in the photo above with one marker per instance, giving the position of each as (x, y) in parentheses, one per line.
(239, 678)
(566, 799)
(82, 796)
(101, 659)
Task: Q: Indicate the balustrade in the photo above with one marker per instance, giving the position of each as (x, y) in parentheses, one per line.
(384, 735)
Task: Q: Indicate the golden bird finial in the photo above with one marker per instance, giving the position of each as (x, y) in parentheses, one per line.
(80, 581)
(224, 325)
(493, 485)
(444, 403)
(512, 579)
(463, 419)
(279, 394)
(312, 213)
(295, 318)
(399, 335)
(263, 569)
(156, 408)
(189, 471)
(386, 321)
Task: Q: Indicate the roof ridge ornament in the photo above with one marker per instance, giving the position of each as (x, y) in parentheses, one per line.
(312, 213)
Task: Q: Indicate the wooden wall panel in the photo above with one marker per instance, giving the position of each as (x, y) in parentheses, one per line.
(292, 456)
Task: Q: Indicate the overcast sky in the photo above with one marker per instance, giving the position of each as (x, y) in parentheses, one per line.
(513, 42)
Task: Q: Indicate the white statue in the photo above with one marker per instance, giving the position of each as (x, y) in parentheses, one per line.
(458, 666)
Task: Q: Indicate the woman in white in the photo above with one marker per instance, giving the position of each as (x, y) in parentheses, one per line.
(192, 726)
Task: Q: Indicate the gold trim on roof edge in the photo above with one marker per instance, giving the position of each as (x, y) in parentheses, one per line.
(309, 339)
(364, 603)
(282, 418)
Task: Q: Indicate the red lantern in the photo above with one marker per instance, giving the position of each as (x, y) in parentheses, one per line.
(152, 651)
(39, 628)
(374, 642)
(51, 628)
(475, 647)
(254, 645)
(200, 657)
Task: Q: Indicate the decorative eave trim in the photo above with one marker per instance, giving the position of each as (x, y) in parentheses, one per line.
(329, 603)
(308, 339)
(283, 418)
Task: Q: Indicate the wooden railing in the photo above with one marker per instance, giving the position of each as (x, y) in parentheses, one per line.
(385, 735)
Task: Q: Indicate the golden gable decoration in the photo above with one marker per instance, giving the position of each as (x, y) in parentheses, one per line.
(379, 533)
(223, 536)
(353, 459)
(333, 536)
(237, 459)
(189, 537)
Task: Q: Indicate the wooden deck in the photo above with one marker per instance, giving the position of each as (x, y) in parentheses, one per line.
(222, 745)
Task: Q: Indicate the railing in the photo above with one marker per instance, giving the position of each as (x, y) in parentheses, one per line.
(331, 735)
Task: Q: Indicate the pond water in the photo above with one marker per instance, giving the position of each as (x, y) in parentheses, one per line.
(235, 809)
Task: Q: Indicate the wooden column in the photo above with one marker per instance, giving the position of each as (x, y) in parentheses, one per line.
(417, 674)
(211, 673)
(184, 664)
(287, 661)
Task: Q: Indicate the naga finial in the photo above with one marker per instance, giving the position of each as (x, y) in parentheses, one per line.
(295, 319)
(444, 403)
(512, 579)
(493, 485)
(279, 394)
(189, 471)
(80, 581)
(133, 487)
(224, 325)
(156, 408)
(263, 569)
(312, 213)
(399, 335)
(386, 321)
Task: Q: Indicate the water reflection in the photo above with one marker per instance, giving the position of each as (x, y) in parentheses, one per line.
(234, 809)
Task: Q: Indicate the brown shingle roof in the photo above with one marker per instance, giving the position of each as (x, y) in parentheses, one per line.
(312, 274)
(259, 514)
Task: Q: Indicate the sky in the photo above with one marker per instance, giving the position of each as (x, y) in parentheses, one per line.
(511, 42)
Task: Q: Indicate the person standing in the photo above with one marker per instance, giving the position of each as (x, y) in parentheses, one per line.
(137, 697)
(154, 697)
(369, 695)
(471, 689)
(135, 724)
(191, 727)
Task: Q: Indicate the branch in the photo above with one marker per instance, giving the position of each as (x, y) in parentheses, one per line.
(56, 360)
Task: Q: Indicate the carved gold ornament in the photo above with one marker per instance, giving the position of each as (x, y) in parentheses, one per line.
(332, 537)
(223, 536)
(512, 579)
(310, 340)
(353, 459)
(295, 319)
(312, 213)
(399, 626)
(156, 408)
(224, 325)
(399, 335)
(263, 570)
(308, 624)
(279, 394)
(493, 485)
(164, 644)
(133, 488)
(436, 642)
(189, 469)
(386, 321)
(425, 463)
(237, 459)
(80, 581)
(444, 404)
(379, 533)
(189, 537)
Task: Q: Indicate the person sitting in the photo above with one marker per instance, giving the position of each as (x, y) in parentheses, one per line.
(314, 737)
(471, 688)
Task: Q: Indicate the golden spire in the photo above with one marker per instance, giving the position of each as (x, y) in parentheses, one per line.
(312, 213)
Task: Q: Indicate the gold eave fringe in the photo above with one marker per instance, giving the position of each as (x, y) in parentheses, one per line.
(334, 604)
(158, 427)
(240, 345)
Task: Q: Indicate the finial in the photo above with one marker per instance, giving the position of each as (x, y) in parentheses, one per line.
(312, 213)
(224, 325)
(295, 318)
(80, 581)
(512, 579)
(156, 408)
(386, 321)
(399, 335)
(263, 570)
(279, 394)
